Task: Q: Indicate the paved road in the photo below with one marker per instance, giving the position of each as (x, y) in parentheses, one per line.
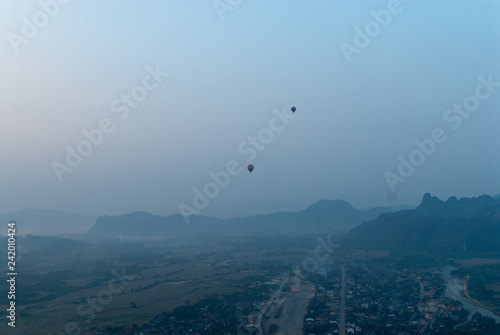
(269, 303)
(342, 303)
(292, 317)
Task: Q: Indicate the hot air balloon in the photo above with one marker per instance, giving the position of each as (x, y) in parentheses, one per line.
(293, 109)
(250, 168)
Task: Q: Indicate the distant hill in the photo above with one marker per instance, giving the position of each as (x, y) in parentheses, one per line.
(323, 216)
(47, 221)
(398, 208)
(468, 225)
(50, 243)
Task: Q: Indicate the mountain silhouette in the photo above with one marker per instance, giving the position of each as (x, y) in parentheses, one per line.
(323, 216)
(468, 225)
(47, 221)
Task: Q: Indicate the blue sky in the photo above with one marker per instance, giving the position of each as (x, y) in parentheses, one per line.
(226, 78)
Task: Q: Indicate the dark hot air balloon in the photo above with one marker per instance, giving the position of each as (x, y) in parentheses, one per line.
(250, 168)
(293, 109)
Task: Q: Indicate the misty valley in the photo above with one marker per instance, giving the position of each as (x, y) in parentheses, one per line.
(231, 167)
(328, 269)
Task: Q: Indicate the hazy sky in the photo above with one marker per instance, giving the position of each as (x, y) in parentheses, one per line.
(368, 78)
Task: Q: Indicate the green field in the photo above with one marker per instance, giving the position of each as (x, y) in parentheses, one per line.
(164, 277)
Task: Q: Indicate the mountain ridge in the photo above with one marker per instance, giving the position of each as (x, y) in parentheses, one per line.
(451, 227)
(47, 221)
(322, 216)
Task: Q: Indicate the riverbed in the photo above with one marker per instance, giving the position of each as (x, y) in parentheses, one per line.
(454, 289)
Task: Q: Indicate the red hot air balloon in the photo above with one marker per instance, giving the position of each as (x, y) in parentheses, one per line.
(293, 109)
(250, 168)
